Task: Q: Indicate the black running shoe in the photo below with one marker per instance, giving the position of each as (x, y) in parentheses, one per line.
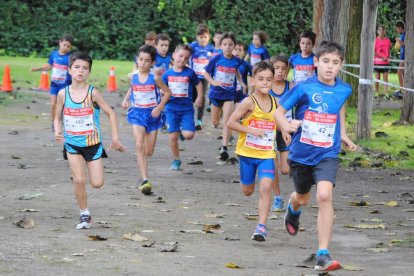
(224, 155)
(291, 222)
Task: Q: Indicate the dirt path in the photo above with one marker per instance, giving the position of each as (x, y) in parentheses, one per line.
(32, 165)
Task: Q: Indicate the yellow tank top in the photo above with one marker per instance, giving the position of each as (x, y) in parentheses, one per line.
(258, 147)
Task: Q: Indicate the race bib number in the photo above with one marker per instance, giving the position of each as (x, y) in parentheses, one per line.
(78, 121)
(261, 143)
(255, 59)
(178, 86)
(199, 64)
(304, 72)
(226, 75)
(144, 96)
(59, 73)
(318, 129)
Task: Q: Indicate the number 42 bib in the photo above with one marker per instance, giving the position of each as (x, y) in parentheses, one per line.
(318, 129)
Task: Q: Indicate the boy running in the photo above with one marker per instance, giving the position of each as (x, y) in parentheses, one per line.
(302, 63)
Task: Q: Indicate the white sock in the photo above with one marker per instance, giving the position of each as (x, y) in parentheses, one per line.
(85, 212)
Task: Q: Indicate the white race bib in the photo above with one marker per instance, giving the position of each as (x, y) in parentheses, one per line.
(226, 75)
(199, 64)
(261, 143)
(255, 59)
(304, 72)
(318, 129)
(144, 96)
(59, 73)
(178, 86)
(78, 121)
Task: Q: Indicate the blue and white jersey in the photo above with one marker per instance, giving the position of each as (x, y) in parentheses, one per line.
(303, 68)
(245, 70)
(224, 70)
(257, 54)
(182, 85)
(60, 65)
(318, 105)
(162, 63)
(144, 95)
(289, 114)
(216, 52)
(81, 120)
(200, 57)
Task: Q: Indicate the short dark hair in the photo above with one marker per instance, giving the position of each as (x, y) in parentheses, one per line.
(68, 38)
(161, 36)
(279, 57)
(263, 66)
(218, 32)
(148, 49)
(400, 24)
(263, 36)
(82, 56)
(308, 34)
(202, 29)
(185, 47)
(244, 45)
(329, 47)
(229, 35)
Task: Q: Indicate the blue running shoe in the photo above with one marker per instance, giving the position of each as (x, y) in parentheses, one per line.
(260, 233)
(326, 263)
(277, 204)
(175, 165)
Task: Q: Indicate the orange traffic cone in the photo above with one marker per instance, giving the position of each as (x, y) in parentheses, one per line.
(112, 81)
(6, 85)
(44, 81)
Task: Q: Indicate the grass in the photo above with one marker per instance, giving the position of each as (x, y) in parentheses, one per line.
(391, 148)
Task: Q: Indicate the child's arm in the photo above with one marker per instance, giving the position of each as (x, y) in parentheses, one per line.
(46, 67)
(167, 94)
(115, 143)
(344, 137)
(284, 125)
(210, 80)
(57, 122)
(246, 57)
(243, 85)
(199, 100)
(125, 102)
(245, 107)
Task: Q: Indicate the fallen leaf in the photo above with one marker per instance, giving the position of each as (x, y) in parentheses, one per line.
(25, 223)
(77, 254)
(233, 204)
(408, 210)
(169, 247)
(214, 215)
(13, 132)
(15, 157)
(159, 200)
(198, 162)
(358, 203)
(365, 226)
(207, 170)
(97, 238)
(148, 244)
(378, 249)
(134, 237)
(351, 268)
(376, 220)
(29, 210)
(391, 203)
(374, 212)
(231, 238)
(193, 222)
(192, 231)
(28, 196)
(165, 210)
(209, 227)
(232, 265)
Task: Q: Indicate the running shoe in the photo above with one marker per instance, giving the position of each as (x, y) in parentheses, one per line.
(146, 187)
(224, 155)
(324, 262)
(84, 222)
(260, 233)
(175, 165)
(277, 204)
(181, 137)
(198, 125)
(398, 94)
(208, 109)
(291, 222)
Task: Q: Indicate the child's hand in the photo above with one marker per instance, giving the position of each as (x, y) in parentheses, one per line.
(286, 137)
(125, 104)
(258, 132)
(293, 126)
(58, 136)
(217, 83)
(199, 101)
(348, 143)
(116, 145)
(32, 69)
(158, 72)
(156, 112)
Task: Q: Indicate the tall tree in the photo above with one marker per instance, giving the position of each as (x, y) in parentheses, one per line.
(365, 97)
(407, 112)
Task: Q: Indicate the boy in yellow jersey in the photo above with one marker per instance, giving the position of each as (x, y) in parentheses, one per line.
(255, 146)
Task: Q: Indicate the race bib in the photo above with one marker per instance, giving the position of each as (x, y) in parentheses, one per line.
(261, 143)
(225, 75)
(59, 73)
(178, 86)
(144, 96)
(199, 64)
(78, 121)
(318, 129)
(255, 59)
(304, 72)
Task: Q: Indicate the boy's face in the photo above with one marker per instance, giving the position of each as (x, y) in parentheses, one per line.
(162, 47)
(181, 58)
(256, 41)
(399, 30)
(239, 51)
(64, 46)
(227, 46)
(306, 45)
(328, 66)
(281, 69)
(150, 41)
(144, 62)
(217, 38)
(263, 81)
(203, 39)
(80, 70)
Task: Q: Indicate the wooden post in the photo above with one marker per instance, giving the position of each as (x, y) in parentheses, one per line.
(365, 97)
(407, 112)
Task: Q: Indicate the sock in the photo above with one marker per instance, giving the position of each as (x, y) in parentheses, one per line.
(261, 225)
(295, 213)
(199, 122)
(279, 196)
(322, 252)
(85, 212)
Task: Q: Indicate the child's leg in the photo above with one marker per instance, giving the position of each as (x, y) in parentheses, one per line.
(400, 74)
(53, 100)
(265, 199)
(215, 115)
(385, 76)
(96, 173)
(139, 134)
(200, 110)
(227, 110)
(76, 162)
(175, 150)
(150, 141)
(324, 191)
(275, 185)
(283, 162)
(378, 77)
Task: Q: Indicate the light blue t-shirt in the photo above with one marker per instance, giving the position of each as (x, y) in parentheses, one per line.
(144, 95)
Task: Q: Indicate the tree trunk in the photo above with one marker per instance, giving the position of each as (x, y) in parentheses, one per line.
(407, 112)
(317, 20)
(353, 47)
(330, 22)
(365, 97)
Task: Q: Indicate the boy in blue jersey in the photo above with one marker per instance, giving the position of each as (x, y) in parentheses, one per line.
(319, 128)
(179, 110)
(145, 112)
(58, 62)
(257, 50)
(245, 70)
(202, 52)
(80, 105)
(217, 38)
(400, 28)
(222, 72)
(163, 58)
(302, 63)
